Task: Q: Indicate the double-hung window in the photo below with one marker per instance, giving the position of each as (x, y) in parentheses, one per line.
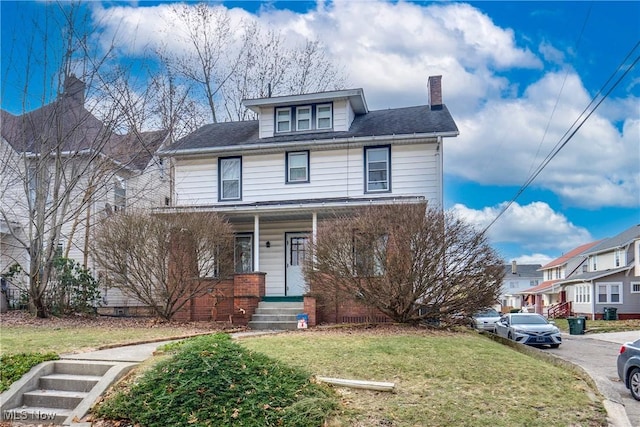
(230, 178)
(323, 116)
(298, 166)
(283, 119)
(303, 118)
(377, 169)
(610, 293)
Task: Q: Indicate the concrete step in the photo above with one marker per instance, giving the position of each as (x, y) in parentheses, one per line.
(275, 316)
(34, 415)
(281, 304)
(289, 311)
(82, 368)
(57, 392)
(53, 398)
(69, 382)
(273, 325)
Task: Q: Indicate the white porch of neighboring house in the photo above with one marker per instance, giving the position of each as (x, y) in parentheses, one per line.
(271, 238)
(544, 298)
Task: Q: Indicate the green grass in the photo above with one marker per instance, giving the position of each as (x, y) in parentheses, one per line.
(69, 339)
(14, 366)
(461, 379)
(602, 326)
(212, 381)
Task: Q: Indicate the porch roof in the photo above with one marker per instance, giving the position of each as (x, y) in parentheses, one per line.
(290, 209)
(541, 288)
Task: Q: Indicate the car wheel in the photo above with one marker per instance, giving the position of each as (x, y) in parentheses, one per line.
(634, 383)
(555, 345)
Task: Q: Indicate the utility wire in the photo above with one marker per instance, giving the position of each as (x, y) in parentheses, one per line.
(569, 134)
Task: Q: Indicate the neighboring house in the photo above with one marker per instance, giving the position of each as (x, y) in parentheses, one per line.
(304, 159)
(518, 277)
(62, 146)
(549, 297)
(609, 278)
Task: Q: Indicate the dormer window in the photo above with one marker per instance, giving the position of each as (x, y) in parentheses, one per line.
(283, 120)
(304, 118)
(323, 117)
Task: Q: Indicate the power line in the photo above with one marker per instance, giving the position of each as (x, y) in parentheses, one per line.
(569, 134)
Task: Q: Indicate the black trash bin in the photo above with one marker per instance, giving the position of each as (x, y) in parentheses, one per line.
(576, 325)
(610, 313)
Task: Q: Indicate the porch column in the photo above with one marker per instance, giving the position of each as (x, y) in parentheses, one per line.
(314, 232)
(314, 225)
(256, 243)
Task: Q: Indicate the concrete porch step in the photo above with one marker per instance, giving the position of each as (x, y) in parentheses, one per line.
(274, 317)
(274, 311)
(281, 304)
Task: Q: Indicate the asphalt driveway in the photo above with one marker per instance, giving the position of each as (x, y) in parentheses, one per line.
(596, 354)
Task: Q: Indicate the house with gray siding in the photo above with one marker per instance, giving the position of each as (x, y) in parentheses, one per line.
(305, 158)
(609, 278)
(518, 277)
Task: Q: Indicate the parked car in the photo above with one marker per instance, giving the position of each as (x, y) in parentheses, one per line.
(529, 328)
(485, 320)
(629, 367)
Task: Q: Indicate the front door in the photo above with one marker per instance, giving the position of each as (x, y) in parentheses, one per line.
(296, 249)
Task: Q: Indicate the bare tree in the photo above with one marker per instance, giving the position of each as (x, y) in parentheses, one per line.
(411, 262)
(208, 60)
(230, 62)
(165, 261)
(59, 158)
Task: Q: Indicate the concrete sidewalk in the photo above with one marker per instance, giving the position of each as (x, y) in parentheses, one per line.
(140, 352)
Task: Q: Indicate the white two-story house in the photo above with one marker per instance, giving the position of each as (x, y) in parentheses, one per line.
(305, 158)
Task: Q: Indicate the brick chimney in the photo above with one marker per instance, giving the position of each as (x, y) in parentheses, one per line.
(434, 87)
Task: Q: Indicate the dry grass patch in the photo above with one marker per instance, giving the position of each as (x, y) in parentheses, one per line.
(442, 378)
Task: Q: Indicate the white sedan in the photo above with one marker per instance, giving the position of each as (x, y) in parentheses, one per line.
(529, 328)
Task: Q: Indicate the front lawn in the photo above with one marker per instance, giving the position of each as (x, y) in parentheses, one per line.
(601, 326)
(442, 379)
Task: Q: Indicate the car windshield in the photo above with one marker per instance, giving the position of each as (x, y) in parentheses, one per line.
(488, 313)
(528, 319)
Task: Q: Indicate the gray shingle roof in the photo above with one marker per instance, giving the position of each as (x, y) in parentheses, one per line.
(398, 121)
(617, 241)
(523, 270)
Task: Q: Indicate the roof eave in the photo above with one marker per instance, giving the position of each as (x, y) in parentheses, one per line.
(355, 97)
(318, 143)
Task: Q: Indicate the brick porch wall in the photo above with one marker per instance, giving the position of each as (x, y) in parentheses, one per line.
(234, 300)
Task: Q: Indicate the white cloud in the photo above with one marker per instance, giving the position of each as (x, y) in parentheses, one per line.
(390, 49)
(534, 227)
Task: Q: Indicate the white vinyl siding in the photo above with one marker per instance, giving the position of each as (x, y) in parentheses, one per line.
(332, 174)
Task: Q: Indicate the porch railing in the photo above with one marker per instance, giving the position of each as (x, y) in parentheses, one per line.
(562, 309)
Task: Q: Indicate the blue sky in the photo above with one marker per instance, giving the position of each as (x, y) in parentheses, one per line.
(516, 75)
